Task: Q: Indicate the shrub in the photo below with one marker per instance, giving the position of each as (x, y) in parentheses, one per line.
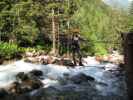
(9, 50)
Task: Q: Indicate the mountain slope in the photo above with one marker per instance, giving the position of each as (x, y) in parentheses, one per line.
(98, 22)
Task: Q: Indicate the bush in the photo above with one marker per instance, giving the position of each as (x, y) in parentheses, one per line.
(100, 49)
(9, 51)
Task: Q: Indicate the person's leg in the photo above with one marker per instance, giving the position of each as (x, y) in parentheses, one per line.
(80, 57)
(74, 57)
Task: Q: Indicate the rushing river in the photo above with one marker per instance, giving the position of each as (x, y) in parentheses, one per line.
(109, 80)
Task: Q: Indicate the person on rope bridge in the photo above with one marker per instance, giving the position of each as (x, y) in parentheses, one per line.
(76, 49)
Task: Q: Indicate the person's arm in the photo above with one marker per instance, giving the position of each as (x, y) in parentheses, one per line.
(82, 39)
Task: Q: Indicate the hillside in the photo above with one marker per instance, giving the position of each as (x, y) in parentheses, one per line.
(29, 24)
(98, 22)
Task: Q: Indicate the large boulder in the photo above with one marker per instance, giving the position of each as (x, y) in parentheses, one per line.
(15, 88)
(65, 62)
(36, 73)
(68, 62)
(3, 93)
(81, 77)
(25, 87)
(21, 76)
(32, 84)
(26, 82)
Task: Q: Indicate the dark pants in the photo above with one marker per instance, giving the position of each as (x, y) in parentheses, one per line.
(76, 51)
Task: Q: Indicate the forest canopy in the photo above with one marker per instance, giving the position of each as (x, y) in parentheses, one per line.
(28, 23)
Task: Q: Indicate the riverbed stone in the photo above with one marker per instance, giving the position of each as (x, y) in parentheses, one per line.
(3, 93)
(15, 88)
(81, 77)
(36, 73)
(21, 76)
(68, 62)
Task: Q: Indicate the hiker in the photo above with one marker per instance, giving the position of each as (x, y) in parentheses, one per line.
(76, 49)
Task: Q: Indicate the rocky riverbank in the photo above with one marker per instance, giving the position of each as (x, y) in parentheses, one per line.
(43, 58)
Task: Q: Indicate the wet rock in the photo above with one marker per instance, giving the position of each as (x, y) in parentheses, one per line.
(15, 88)
(65, 62)
(31, 60)
(3, 93)
(27, 60)
(67, 88)
(121, 65)
(26, 82)
(36, 84)
(44, 62)
(102, 84)
(22, 76)
(57, 62)
(37, 73)
(33, 82)
(25, 87)
(29, 85)
(50, 93)
(66, 76)
(81, 77)
(68, 62)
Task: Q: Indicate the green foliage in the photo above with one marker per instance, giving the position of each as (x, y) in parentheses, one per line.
(9, 50)
(99, 22)
(17, 22)
(27, 23)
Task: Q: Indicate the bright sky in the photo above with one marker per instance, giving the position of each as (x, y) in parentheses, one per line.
(124, 3)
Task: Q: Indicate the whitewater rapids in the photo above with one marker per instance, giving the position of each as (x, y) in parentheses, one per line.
(52, 73)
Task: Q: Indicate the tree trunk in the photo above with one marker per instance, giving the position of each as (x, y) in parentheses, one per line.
(68, 26)
(53, 32)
